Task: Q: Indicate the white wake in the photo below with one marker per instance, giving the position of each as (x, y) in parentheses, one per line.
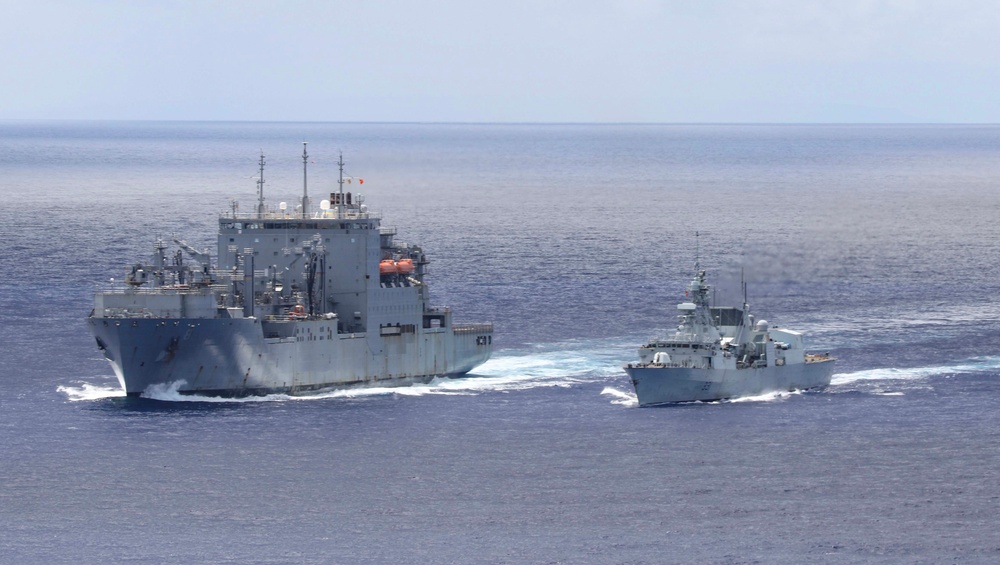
(559, 365)
(550, 366)
(88, 391)
(974, 365)
(766, 397)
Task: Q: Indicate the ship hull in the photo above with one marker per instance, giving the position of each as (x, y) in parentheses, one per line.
(664, 385)
(245, 356)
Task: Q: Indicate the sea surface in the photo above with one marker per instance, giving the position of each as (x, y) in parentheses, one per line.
(576, 241)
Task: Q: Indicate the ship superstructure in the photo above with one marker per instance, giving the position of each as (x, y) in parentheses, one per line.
(296, 299)
(721, 352)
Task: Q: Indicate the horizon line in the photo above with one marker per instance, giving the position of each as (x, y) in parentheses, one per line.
(503, 123)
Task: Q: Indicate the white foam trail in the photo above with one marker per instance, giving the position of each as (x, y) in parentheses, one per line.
(562, 367)
(170, 392)
(553, 365)
(625, 398)
(166, 392)
(621, 397)
(464, 386)
(87, 391)
(560, 360)
(975, 365)
(766, 397)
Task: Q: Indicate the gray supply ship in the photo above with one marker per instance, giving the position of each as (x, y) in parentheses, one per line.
(296, 300)
(719, 353)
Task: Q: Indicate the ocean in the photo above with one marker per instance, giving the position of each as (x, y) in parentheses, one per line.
(577, 241)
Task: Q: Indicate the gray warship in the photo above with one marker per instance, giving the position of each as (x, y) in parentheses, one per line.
(720, 352)
(296, 300)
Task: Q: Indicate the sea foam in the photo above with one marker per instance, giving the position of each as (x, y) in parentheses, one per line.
(552, 365)
(88, 391)
(974, 365)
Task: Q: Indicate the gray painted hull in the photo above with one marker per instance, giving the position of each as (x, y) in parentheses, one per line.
(232, 357)
(662, 385)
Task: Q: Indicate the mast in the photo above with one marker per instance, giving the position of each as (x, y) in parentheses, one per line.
(305, 192)
(697, 253)
(260, 188)
(743, 283)
(340, 181)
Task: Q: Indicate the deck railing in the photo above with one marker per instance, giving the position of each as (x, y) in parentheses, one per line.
(472, 328)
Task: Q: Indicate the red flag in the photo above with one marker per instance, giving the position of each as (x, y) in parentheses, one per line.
(361, 181)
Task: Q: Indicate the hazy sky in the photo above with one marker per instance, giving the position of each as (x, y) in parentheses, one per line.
(502, 61)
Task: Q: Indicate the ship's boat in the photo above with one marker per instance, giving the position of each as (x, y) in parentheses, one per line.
(405, 266)
(388, 267)
(292, 301)
(721, 352)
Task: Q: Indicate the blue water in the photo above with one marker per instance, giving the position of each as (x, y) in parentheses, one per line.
(880, 242)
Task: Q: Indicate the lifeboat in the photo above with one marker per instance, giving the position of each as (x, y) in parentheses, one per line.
(405, 266)
(298, 311)
(388, 267)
